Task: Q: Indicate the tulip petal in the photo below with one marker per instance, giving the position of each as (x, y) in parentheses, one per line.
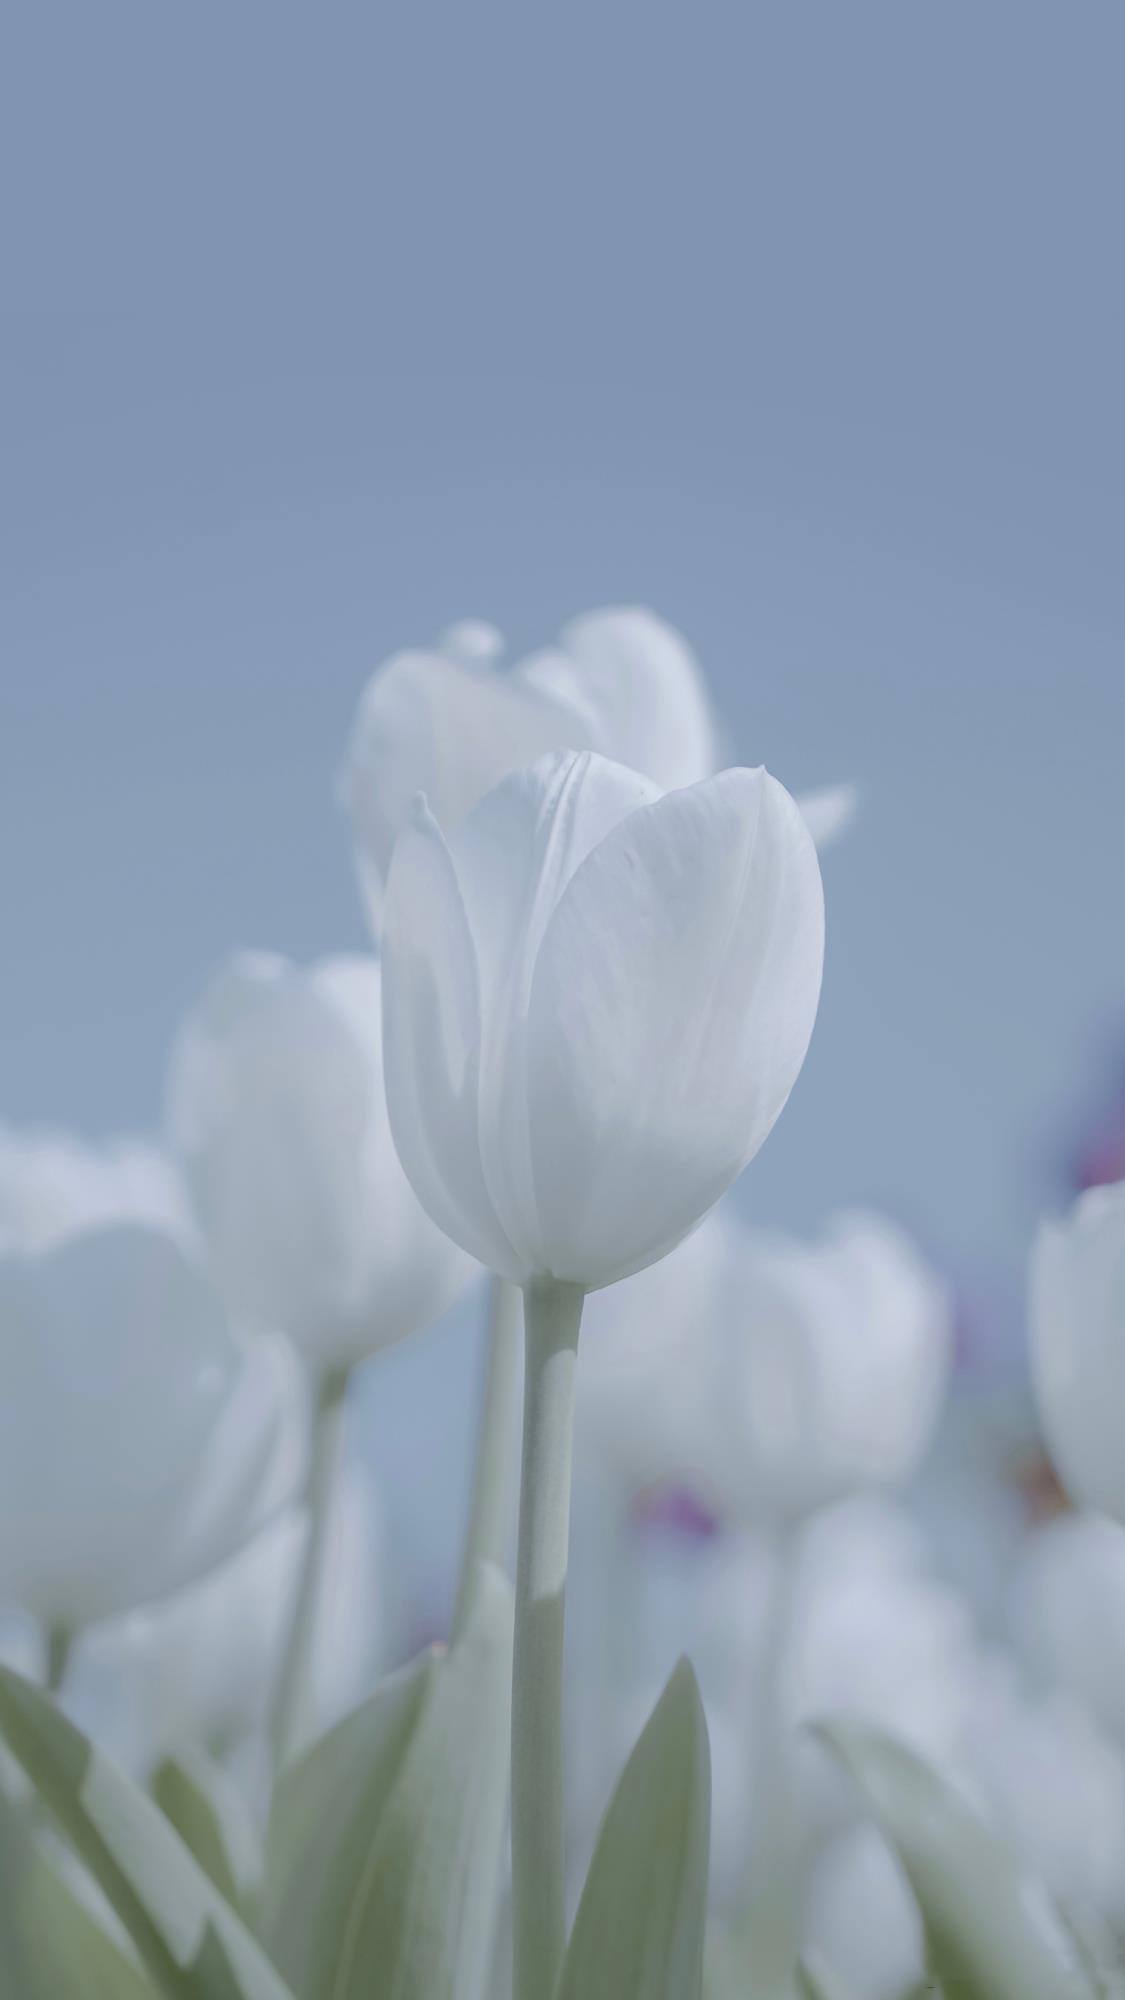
(639, 687)
(829, 812)
(1077, 1351)
(435, 724)
(514, 857)
(431, 1043)
(671, 1007)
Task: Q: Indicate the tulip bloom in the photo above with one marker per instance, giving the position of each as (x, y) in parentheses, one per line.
(769, 1374)
(597, 1000)
(1078, 1346)
(598, 997)
(447, 723)
(141, 1442)
(278, 1114)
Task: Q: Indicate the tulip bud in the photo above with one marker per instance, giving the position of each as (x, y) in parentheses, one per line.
(448, 723)
(278, 1113)
(597, 1000)
(140, 1441)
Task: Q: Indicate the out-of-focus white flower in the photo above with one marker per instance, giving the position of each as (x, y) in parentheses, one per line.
(53, 1184)
(1053, 1784)
(278, 1113)
(200, 1667)
(597, 999)
(771, 1374)
(1078, 1345)
(445, 722)
(861, 1915)
(867, 1631)
(141, 1442)
(1069, 1612)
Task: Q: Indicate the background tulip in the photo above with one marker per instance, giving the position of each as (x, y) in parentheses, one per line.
(141, 1442)
(445, 722)
(53, 1184)
(597, 1001)
(769, 1374)
(1078, 1345)
(1068, 1612)
(278, 1115)
(198, 1667)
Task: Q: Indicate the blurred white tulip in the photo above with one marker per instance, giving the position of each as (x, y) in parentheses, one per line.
(447, 723)
(141, 1442)
(861, 1915)
(1053, 1784)
(1068, 1612)
(278, 1114)
(770, 1374)
(53, 1184)
(867, 1631)
(597, 999)
(200, 1666)
(1078, 1346)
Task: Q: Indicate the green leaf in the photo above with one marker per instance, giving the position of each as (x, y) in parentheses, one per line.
(384, 1850)
(992, 1931)
(815, 1980)
(71, 1953)
(198, 1799)
(191, 1941)
(640, 1926)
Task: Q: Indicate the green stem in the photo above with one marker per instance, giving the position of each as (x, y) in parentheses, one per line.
(289, 1711)
(494, 1470)
(552, 1313)
(60, 1644)
(770, 1924)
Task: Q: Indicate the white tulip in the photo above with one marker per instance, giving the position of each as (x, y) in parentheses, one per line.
(1053, 1784)
(447, 723)
(860, 1913)
(1069, 1612)
(278, 1113)
(772, 1375)
(1078, 1346)
(199, 1667)
(140, 1441)
(597, 999)
(52, 1184)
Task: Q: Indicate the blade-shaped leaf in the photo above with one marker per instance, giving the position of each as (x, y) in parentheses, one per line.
(640, 1926)
(816, 1981)
(385, 1843)
(992, 1931)
(198, 1799)
(71, 1955)
(194, 1945)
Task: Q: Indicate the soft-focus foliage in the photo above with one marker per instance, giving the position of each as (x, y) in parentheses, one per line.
(1078, 1345)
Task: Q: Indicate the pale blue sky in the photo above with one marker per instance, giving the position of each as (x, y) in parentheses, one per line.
(803, 324)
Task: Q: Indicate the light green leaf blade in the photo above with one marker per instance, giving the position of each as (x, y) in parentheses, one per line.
(816, 1981)
(992, 1931)
(192, 1942)
(639, 1931)
(198, 1799)
(383, 1859)
(71, 1955)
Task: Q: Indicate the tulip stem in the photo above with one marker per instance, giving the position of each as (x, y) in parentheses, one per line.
(494, 1469)
(552, 1313)
(289, 1710)
(769, 1927)
(60, 1643)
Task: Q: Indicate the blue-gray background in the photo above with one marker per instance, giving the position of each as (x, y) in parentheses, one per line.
(803, 323)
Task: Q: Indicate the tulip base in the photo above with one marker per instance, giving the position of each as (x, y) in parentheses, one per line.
(552, 1314)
